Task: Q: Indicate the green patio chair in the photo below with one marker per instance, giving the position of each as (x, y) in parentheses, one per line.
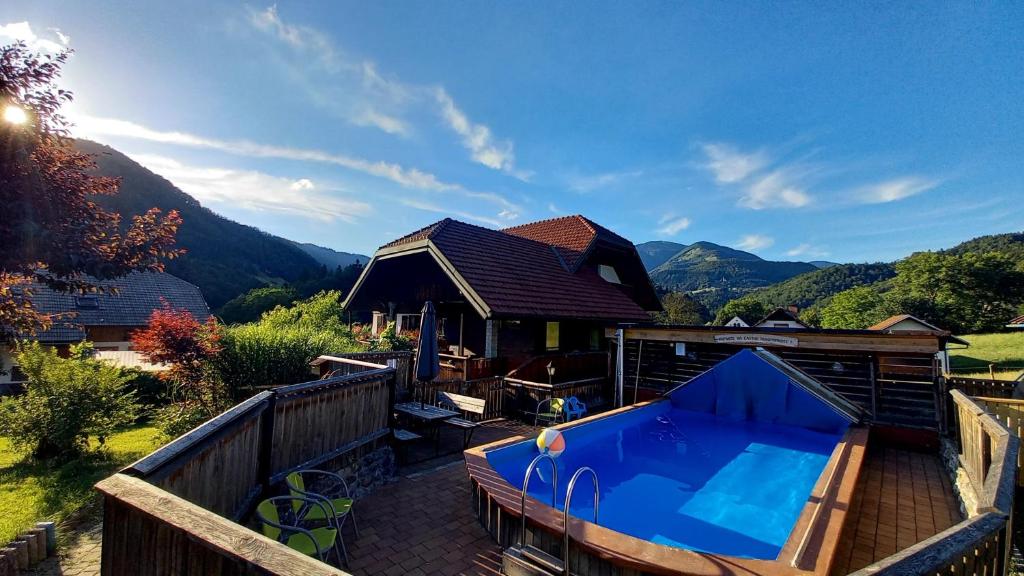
(281, 522)
(331, 491)
(553, 413)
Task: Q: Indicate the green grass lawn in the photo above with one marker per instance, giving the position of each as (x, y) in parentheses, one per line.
(1006, 351)
(31, 491)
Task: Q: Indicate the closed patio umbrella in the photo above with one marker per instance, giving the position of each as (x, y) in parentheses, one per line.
(428, 363)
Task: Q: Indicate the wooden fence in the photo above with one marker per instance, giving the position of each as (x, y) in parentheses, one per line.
(224, 466)
(900, 389)
(1009, 413)
(983, 386)
(979, 545)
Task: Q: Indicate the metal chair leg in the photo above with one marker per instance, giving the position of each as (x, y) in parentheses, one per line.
(352, 513)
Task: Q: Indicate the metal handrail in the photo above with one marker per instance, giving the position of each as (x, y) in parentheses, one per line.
(526, 484)
(565, 512)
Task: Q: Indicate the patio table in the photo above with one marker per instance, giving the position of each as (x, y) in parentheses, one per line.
(432, 416)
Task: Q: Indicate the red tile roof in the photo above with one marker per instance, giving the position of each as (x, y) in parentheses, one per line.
(532, 270)
(1018, 321)
(571, 236)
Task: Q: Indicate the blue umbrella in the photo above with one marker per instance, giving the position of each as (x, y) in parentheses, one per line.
(428, 363)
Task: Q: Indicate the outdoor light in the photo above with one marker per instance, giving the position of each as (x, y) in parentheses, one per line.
(551, 371)
(15, 114)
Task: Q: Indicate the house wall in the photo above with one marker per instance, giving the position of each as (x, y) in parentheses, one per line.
(110, 337)
(519, 340)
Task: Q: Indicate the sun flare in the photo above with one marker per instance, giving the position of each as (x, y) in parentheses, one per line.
(15, 115)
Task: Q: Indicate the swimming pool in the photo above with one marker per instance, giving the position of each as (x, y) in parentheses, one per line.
(685, 479)
(750, 461)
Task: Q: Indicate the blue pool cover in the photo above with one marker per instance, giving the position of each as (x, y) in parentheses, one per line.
(724, 465)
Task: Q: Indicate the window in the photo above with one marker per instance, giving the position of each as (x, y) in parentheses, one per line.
(609, 274)
(551, 339)
(781, 324)
(87, 302)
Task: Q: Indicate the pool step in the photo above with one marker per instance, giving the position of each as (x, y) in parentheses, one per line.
(529, 561)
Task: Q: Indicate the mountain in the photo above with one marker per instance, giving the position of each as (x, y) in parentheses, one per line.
(817, 287)
(223, 258)
(1012, 245)
(713, 274)
(655, 253)
(331, 258)
(823, 263)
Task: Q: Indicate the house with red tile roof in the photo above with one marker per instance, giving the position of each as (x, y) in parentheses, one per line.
(540, 288)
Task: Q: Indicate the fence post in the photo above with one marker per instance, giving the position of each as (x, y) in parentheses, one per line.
(266, 448)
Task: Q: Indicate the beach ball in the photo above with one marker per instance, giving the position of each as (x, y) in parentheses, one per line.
(550, 441)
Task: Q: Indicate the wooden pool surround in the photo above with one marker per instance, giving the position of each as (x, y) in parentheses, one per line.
(810, 548)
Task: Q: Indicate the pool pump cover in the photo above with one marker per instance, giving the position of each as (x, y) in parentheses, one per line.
(758, 385)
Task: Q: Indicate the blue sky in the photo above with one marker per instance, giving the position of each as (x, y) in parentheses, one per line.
(797, 131)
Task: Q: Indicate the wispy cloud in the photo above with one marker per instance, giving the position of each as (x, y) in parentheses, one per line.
(778, 188)
(597, 181)
(755, 242)
(554, 209)
(50, 43)
(670, 225)
(368, 97)
(895, 189)
(256, 191)
(806, 249)
(431, 207)
(729, 165)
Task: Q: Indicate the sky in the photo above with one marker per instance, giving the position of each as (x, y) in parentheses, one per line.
(847, 132)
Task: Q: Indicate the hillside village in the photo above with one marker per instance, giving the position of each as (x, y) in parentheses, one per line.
(214, 362)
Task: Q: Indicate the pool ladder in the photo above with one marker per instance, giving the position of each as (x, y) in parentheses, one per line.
(523, 560)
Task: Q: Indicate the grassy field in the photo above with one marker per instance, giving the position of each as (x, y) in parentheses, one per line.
(1006, 351)
(30, 491)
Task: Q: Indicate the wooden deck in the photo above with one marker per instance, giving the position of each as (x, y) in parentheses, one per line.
(902, 498)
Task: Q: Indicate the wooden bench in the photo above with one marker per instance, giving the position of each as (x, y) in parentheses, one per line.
(465, 404)
(402, 439)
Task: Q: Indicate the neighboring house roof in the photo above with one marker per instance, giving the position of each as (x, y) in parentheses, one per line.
(1017, 322)
(780, 315)
(529, 270)
(138, 294)
(737, 321)
(891, 321)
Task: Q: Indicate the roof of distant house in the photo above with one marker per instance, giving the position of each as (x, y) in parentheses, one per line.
(780, 314)
(891, 321)
(137, 295)
(1017, 322)
(534, 269)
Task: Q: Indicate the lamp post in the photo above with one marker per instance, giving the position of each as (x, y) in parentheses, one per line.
(551, 373)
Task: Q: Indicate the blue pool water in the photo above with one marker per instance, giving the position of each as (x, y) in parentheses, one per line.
(690, 479)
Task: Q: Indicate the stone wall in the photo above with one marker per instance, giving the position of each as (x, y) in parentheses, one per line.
(965, 494)
(367, 472)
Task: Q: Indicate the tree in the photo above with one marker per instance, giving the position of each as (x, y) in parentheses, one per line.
(250, 306)
(67, 400)
(52, 231)
(968, 292)
(186, 346)
(854, 309)
(681, 309)
(747, 308)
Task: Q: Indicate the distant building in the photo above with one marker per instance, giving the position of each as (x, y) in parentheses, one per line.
(1017, 323)
(737, 322)
(781, 318)
(539, 289)
(105, 319)
(908, 323)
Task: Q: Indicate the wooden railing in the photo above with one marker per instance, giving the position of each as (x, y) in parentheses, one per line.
(981, 544)
(569, 367)
(492, 390)
(983, 386)
(225, 465)
(1009, 413)
(463, 368)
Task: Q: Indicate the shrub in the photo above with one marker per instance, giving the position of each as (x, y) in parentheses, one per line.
(178, 418)
(65, 401)
(277, 350)
(388, 340)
